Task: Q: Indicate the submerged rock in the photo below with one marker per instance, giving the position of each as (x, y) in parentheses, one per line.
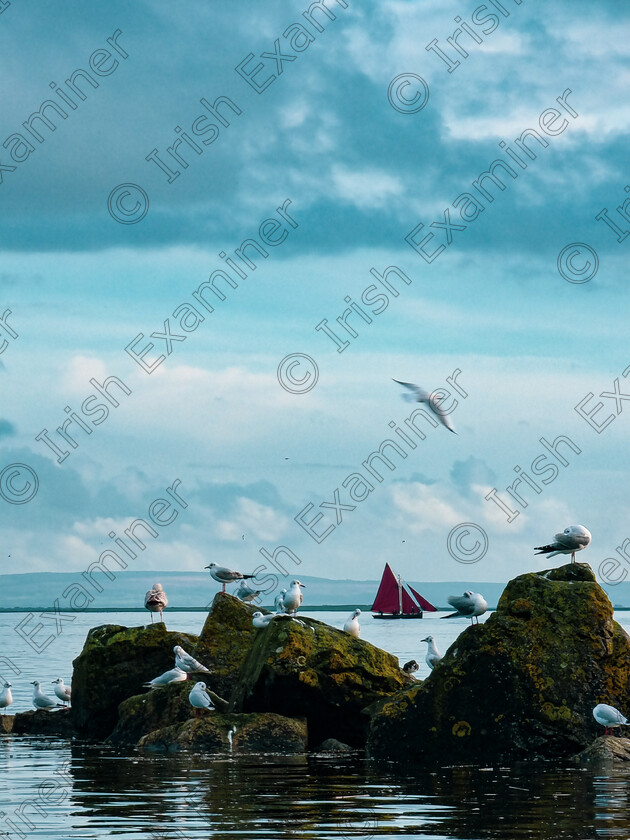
(156, 709)
(217, 733)
(113, 665)
(41, 722)
(522, 684)
(315, 671)
(332, 745)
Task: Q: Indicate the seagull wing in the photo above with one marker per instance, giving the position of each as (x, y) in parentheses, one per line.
(420, 394)
(462, 603)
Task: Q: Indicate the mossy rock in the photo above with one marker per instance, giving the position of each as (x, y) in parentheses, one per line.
(216, 733)
(523, 684)
(315, 671)
(225, 641)
(6, 723)
(113, 665)
(156, 709)
(42, 722)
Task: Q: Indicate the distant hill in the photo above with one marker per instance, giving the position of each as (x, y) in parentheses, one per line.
(195, 590)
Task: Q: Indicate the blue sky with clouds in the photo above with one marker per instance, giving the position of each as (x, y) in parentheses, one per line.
(360, 176)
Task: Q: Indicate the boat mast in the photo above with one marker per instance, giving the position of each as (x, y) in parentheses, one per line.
(400, 609)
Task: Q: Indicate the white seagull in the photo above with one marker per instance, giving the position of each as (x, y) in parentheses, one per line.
(185, 662)
(259, 620)
(175, 675)
(62, 691)
(418, 394)
(352, 625)
(277, 604)
(155, 600)
(223, 575)
(469, 605)
(40, 700)
(608, 716)
(433, 654)
(292, 599)
(200, 699)
(246, 593)
(572, 539)
(6, 698)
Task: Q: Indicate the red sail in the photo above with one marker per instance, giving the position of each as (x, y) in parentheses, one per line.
(387, 596)
(426, 606)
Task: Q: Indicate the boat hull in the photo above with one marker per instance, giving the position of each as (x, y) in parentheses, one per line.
(399, 615)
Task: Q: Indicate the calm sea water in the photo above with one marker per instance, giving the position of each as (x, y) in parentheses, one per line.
(101, 793)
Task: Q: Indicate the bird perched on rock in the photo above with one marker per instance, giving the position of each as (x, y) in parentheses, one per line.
(469, 605)
(418, 394)
(155, 600)
(260, 621)
(175, 675)
(246, 594)
(352, 625)
(609, 717)
(200, 699)
(6, 698)
(185, 662)
(277, 604)
(292, 599)
(62, 691)
(410, 667)
(41, 701)
(223, 575)
(433, 656)
(572, 539)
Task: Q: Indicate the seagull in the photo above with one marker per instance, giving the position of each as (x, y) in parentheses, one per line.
(246, 594)
(40, 701)
(260, 620)
(352, 625)
(278, 601)
(200, 699)
(155, 600)
(572, 539)
(410, 667)
(185, 662)
(469, 605)
(62, 691)
(6, 698)
(420, 395)
(433, 654)
(293, 598)
(223, 575)
(175, 675)
(609, 717)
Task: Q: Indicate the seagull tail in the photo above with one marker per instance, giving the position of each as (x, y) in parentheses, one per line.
(245, 577)
(452, 615)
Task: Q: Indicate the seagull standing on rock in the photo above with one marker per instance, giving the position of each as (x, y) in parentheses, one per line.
(41, 701)
(246, 594)
(277, 604)
(418, 394)
(200, 699)
(175, 675)
(572, 539)
(352, 625)
(609, 717)
(6, 698)
(155, 600)
(469, 605)
(292, 599)
(62, 691)
(185, 662)
(223, 575)
(261, 621)
(433, 656)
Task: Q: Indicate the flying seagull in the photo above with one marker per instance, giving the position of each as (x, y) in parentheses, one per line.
(433, 654)
(418, 394)
(572, 539)
(469, 605)
(608, 716)
(155, 600)
(223, 575)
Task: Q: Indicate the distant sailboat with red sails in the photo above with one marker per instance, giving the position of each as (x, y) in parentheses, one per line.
(396, 599)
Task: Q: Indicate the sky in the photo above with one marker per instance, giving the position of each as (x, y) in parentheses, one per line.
(332, 151)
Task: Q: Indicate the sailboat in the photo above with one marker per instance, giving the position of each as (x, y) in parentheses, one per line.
(396, 599)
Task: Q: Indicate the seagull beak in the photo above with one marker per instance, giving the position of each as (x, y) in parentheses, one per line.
(206, 567)
(303, 585)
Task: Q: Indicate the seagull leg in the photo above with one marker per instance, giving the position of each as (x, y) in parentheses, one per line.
(151, 618)
(223, 588)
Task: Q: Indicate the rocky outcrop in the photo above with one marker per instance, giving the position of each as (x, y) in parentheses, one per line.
(156, 709)
(113, 665)
(605, 750)
(41, 722)
(225, 641)
(217, 733)
(523, 684)
(309, 669)
(6, 723)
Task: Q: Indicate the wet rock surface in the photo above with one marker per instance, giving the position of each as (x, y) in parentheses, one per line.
(40, 722)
